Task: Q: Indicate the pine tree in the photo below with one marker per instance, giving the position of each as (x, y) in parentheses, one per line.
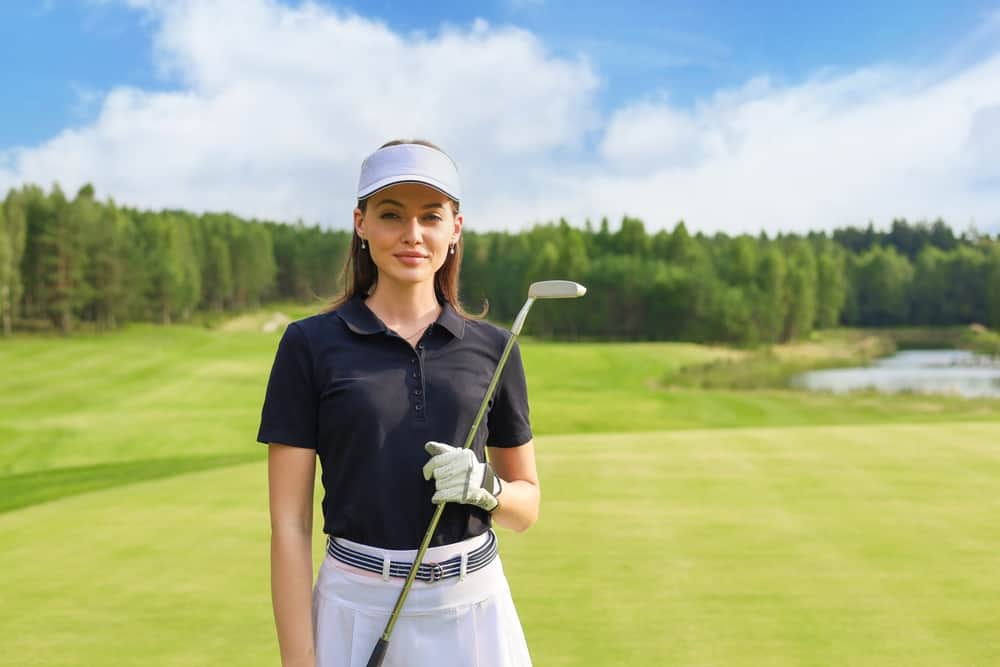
(831, 287)
(993, 287)
(6, 276)
(107, 267)
(63, 258)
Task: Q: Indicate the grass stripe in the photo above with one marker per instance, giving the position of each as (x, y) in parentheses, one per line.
(23, 490)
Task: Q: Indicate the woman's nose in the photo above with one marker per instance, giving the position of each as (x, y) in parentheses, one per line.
(411, 231)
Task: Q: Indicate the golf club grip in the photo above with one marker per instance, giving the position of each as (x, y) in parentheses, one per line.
(378, 653)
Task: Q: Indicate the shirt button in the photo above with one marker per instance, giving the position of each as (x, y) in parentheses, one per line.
(420, 346)
(418, 392)
(415, 374)
(413, 360)
(419, 407)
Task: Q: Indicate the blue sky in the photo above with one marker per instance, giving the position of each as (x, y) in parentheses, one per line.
(67, 49)
(693, 76)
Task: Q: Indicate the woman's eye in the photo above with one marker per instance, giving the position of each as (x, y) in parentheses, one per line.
(388, 216)
(432, 218)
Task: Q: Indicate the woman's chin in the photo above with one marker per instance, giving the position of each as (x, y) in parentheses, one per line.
(409, 276)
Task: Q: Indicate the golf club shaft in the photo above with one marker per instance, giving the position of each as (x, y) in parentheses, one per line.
(378, 654)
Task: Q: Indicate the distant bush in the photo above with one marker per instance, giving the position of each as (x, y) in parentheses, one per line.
(980, 339)
(774, 366)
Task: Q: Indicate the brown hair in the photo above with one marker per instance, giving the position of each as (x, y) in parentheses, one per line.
(360, 274)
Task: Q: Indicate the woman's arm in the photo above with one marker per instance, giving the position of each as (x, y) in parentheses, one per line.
(291, 473)
(520, 496)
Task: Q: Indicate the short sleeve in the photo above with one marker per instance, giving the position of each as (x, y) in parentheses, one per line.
(508, 417)
(289, 415)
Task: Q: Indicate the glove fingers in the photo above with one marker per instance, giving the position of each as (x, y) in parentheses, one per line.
(446, 497)
(440, 460)
(434, 448)
(429, 468)
(451, 487)
(451, 469)
(458, 475)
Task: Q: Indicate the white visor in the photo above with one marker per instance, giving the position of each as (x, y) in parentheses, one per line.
(409, 163)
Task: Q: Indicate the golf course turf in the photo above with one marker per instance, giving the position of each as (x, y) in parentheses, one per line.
(679, 526)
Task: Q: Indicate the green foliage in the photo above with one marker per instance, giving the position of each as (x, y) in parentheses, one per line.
(800, 290)
(13, 234)
(881, 279)
(981, 340)
(773, 368)
(992, 291)
(831, 287)
(84, 262)
(7, 273)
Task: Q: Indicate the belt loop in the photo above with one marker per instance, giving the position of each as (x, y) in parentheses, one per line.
(385, 568)
(464, 567)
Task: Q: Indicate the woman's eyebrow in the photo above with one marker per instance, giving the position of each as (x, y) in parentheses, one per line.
(393, 202)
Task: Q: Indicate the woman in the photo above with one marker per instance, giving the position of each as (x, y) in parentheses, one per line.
(383, 388)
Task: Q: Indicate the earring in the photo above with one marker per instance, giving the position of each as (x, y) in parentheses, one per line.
(364, 245)
(452, 249)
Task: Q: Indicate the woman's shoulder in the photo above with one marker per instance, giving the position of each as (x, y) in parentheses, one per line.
(487, 331)
(317, 319)
(312, 326)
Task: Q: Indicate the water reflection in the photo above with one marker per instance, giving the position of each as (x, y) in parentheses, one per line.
(921, 371)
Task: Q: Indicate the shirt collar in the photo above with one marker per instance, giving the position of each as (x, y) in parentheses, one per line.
(451, 320)
(360, 319)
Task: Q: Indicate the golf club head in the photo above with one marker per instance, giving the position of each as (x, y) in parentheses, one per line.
(556, 289)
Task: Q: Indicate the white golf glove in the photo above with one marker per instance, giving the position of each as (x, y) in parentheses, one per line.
(460, 477)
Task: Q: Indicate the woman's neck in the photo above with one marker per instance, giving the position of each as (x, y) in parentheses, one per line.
(402, 305)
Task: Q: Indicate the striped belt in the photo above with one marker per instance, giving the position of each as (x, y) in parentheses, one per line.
(455, 566)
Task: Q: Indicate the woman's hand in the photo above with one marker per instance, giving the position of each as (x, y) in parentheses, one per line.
(460, 477)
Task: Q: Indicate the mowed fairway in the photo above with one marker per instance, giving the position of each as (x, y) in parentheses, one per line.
(811, 530)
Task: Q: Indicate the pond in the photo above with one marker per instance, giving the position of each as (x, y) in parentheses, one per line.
(920, 371)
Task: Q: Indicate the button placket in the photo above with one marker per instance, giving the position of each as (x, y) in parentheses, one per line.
(419, 399)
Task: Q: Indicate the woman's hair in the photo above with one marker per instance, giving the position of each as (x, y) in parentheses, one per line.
(360, 274)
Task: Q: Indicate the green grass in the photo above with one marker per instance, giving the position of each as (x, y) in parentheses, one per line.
(145, 393)
(792, 546)
(679, 526)
(31, 488)
(152, 392)
(618, 387)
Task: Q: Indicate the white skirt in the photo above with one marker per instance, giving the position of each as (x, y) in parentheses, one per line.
(453, 622)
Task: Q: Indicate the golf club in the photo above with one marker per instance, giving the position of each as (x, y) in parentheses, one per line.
(547, 289)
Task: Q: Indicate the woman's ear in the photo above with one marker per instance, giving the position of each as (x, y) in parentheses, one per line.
(359, 222)
(457, 231)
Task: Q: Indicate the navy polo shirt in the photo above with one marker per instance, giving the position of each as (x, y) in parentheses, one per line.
(347, 386)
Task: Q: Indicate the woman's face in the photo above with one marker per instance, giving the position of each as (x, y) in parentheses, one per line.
(409, 228)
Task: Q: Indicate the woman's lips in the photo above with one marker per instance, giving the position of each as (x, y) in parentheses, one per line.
(411, 260)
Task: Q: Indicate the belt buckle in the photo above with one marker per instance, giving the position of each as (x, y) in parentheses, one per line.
(437, 572)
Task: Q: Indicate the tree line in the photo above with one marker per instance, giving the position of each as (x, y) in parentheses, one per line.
(66, 262)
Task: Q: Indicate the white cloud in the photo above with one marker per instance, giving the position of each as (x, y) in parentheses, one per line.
(837, 149)
(272, 117)
(983, 146)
